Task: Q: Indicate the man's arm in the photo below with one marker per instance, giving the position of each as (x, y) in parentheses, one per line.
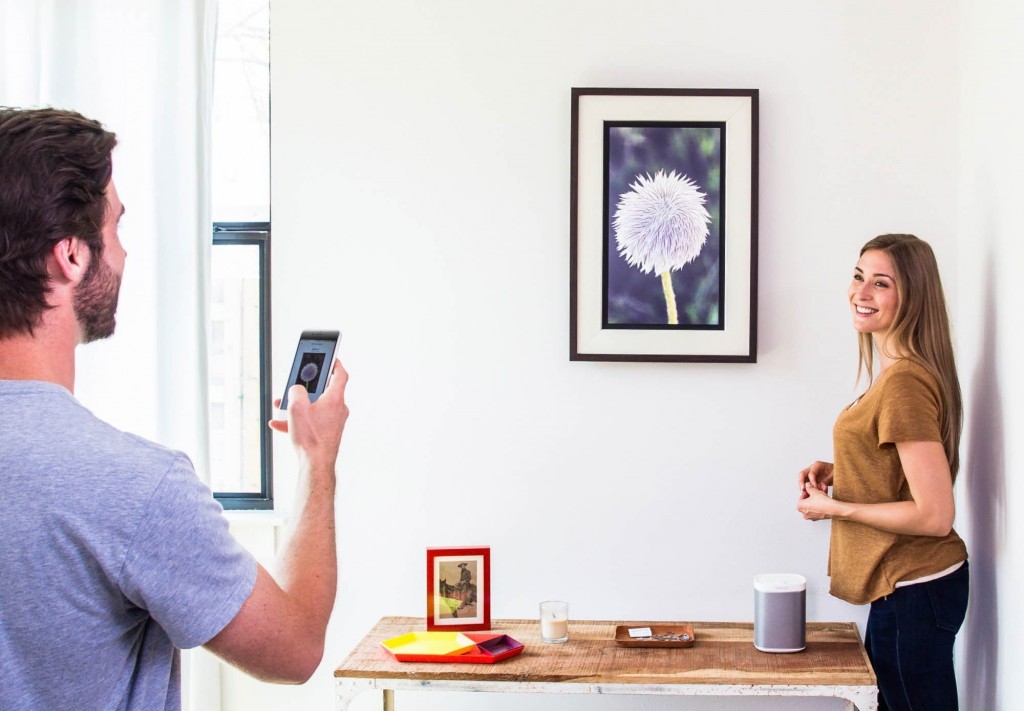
(278, 634)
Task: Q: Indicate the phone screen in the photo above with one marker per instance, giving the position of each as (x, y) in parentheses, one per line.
(312, 365)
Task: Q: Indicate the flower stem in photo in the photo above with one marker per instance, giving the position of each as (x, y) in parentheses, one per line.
(670, 298)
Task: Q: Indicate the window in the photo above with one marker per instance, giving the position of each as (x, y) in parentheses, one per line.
(240, 442)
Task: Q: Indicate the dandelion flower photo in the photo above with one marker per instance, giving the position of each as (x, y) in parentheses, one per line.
(308, 372)
(661, 224)
(663, 247)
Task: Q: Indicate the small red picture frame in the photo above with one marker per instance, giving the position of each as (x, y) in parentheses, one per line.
(459, 589)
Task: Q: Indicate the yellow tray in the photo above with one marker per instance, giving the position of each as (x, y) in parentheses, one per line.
(429, 644)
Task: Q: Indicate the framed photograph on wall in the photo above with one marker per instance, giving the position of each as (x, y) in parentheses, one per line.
(459, 589)
(663, 225)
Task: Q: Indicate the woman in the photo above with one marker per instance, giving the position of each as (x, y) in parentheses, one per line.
(896, 458)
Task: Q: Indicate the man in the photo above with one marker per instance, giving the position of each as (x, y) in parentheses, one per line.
(113, 555)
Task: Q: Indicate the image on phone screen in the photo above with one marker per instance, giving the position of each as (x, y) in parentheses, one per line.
(310, 369)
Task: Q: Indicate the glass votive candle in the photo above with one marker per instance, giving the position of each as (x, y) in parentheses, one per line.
(554, 621)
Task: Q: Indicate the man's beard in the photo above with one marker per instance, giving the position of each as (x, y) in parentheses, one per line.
(95, 300)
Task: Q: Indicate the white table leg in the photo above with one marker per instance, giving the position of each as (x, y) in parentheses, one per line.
(348, 689)
(866, 700)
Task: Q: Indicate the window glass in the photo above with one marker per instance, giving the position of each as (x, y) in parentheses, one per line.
(236, 421)
(241, 112)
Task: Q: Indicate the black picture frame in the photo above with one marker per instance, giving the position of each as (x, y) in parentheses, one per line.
(663, 225)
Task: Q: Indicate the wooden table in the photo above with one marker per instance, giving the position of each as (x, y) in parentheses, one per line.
(722, 662)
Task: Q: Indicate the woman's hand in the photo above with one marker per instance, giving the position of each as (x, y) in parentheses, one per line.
(815, 504)
(819, 475)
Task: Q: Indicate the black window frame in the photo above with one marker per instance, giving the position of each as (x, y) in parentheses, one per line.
(255, 233)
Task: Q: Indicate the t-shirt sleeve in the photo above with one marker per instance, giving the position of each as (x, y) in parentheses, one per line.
(183, 566)
(910, 410)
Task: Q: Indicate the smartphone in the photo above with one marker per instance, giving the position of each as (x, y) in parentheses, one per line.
(311, 368)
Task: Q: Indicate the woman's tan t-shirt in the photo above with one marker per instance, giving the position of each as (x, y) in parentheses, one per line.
(865, 563)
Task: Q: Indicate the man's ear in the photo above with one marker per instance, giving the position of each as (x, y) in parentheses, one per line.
(70, 259)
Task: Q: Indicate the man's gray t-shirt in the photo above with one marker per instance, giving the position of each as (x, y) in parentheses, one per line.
(112, 556)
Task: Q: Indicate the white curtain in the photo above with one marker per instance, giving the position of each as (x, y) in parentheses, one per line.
(144, 69)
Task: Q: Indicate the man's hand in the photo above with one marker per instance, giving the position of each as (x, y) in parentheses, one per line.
(316, 428)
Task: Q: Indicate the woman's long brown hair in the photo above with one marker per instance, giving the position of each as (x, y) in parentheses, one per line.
(920, 330)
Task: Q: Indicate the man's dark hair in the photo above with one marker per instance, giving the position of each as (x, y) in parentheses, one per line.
(54, 169)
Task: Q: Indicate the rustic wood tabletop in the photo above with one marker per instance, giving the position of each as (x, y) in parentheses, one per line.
(723, 653)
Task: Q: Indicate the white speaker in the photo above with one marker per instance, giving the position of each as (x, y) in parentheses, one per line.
(780, 609)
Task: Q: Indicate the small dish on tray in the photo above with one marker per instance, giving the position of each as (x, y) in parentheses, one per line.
(654, 636)
(491, 648)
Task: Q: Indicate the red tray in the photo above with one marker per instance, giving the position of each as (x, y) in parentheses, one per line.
(490, 648)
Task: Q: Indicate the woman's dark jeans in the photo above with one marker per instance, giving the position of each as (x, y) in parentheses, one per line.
(909, 639)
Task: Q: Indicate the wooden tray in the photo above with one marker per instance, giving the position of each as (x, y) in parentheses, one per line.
(661, 636)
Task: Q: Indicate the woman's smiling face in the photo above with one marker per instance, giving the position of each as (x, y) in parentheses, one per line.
(873, 296)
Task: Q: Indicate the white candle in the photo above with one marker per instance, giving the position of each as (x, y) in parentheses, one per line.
(554, 629)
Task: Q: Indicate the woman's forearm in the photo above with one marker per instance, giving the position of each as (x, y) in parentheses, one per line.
(906, 517)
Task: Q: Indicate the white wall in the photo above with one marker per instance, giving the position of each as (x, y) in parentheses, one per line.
(420, 201)
(991, 348)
